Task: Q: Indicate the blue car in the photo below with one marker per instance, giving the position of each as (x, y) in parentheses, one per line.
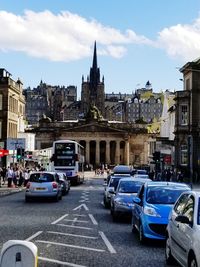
(122, 199)
(152, 206)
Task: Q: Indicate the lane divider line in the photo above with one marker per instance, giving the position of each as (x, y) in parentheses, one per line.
(60, 262)
(73, 226)
(107, 243)
(69, 245)
(60, 219)
(33, 236)
(93, 219)
(80, 236)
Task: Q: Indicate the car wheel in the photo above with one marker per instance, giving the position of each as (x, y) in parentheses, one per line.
(56, 198)
(134, 230)
(105, 203)
(114, 215)
(27, 199)
(192, 262)
(141, 234)
(168, 255)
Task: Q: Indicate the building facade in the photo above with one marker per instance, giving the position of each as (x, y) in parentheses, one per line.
(187, 126)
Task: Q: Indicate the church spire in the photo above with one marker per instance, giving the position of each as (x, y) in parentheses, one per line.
(94, 65)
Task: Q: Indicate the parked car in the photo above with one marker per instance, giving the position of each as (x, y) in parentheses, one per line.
(65, 183)
(152, 207)
(112, 184)
(43, 185)
(122, 201)
(183, 231)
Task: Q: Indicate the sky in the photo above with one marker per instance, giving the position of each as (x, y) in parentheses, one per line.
(137, 41)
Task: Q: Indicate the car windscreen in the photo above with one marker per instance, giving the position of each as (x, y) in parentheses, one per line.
(114, 182)
(129, 186)
(164, 195)
(41, 177)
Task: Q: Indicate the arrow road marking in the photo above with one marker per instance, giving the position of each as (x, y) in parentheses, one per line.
(80, 206)
(60, 219)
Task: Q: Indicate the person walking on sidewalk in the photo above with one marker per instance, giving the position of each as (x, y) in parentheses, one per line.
(9, 175)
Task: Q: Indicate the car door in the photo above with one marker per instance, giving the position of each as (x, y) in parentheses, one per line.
(138, 208)
(185, 231)
(178, 241)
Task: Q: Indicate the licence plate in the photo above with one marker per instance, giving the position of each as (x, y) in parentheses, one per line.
(40, 188)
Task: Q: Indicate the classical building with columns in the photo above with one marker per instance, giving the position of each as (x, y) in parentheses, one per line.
(104, 142)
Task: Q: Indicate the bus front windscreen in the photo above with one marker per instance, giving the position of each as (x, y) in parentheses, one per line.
(64, 154)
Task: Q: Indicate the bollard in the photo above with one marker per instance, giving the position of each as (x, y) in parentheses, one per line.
(19, 253)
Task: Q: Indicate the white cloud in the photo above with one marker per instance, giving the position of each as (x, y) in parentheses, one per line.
(61, 37)
(182, 41)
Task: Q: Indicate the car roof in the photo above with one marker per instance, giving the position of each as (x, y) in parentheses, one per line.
(122, 169)
(136, 179)
(33, 172)
(171, 184)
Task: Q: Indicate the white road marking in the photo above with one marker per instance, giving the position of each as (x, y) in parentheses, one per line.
(81, 201)
(79, 215)
(78, 221)
(93, 219)
(80, 206)
(81, 236)
(60, 219)
(102, 204)
(107, 243)
(69, 245)
(33, 236)
(60, 262)
(73, 226)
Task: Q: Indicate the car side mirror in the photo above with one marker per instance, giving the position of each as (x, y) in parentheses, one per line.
(182, 219)
(137, 200)
(111, 190)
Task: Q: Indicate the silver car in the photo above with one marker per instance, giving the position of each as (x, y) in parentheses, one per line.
(43, 185)
(113, 183)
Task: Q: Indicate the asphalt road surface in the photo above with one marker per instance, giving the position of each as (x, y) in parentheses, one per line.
(76, 231)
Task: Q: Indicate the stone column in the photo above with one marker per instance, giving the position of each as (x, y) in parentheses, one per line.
(87, 151)
(97, 152)
(117, 153)
(127, 160)
(108, 152)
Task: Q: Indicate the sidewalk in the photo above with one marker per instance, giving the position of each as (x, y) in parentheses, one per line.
(5, 190)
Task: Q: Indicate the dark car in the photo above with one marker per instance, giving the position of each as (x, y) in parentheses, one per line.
(122, 201)
(65, 183)
(122, 169)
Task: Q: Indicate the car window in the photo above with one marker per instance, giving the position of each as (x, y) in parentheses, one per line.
(189, 209)
(41, 177)
(163, 195)
(180, 204)
(141, 192)
(114, 182)
(129, 186)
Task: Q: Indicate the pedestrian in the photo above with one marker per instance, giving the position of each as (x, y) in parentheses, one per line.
(26, 177)
(9, 176)
(4, 174)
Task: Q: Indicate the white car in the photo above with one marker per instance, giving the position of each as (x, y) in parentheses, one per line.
(183, 231)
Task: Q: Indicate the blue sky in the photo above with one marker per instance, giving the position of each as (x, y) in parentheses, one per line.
(137, 41)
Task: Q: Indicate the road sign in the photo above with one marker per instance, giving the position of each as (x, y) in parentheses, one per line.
(14, 143)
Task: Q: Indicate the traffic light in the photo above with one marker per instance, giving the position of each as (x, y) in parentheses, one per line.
(20, 153)
(156, 156)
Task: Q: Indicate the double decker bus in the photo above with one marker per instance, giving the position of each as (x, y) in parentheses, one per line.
(68, 157)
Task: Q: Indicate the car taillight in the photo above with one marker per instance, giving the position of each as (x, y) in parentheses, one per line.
(28, 185)
(55, 185)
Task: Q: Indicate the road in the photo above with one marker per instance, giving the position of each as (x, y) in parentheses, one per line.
(76, 231)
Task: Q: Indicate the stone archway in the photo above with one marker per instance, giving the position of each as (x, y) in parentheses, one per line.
(112, 152)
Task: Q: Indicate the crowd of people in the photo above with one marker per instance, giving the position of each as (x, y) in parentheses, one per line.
(15, 176)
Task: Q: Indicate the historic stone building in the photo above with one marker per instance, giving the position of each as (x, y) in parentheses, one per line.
(60, 103)
(104, 142)
(187, 126)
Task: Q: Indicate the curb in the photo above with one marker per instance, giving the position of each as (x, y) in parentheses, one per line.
(6, 192)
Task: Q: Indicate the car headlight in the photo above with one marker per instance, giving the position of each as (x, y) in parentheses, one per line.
(121, 202)
(151, 212)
